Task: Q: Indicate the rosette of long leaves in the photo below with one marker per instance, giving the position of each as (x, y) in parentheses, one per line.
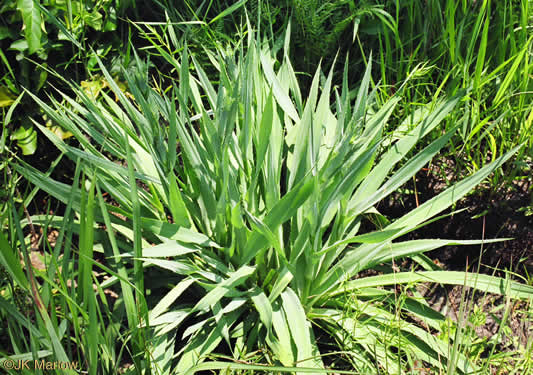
(255, 198)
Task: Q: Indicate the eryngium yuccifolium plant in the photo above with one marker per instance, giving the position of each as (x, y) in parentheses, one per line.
(255, 198)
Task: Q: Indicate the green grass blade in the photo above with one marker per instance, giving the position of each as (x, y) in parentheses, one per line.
(307, 352)
(484, 283)
(509, 77)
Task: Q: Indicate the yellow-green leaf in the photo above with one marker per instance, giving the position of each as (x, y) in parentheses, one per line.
(6, 98)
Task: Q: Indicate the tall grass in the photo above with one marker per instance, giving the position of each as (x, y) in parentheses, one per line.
(484, 46)
(257, 204)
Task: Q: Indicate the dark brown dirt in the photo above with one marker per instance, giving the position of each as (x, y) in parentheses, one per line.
(486, 215)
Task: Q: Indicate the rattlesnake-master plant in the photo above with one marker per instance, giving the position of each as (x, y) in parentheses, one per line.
(254, 198)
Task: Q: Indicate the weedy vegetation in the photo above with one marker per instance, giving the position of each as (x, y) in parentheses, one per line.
(222, 211)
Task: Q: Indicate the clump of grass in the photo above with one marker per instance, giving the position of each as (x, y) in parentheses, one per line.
(484, 46)
(257, 201)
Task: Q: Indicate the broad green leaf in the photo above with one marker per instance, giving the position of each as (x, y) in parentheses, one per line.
(372, 237)
(181, 268)
(263, 136)
(282, 98)
(176, 232)
(484, 283)
(401, 176)
(235, 279)
(31, 16)
(281, 212)
(162, 352)
(177, 207)
(400, 250)
(445, 199)
(26, 138)
(395, 153)
(300, 329)
(264, 308)
(165, 302)
(168, 249)
(204, 343)
(356, 261)
(57, 189)
(218, 365)
(168, 319)
(284, 347)
(97, 161)
(283, 279)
